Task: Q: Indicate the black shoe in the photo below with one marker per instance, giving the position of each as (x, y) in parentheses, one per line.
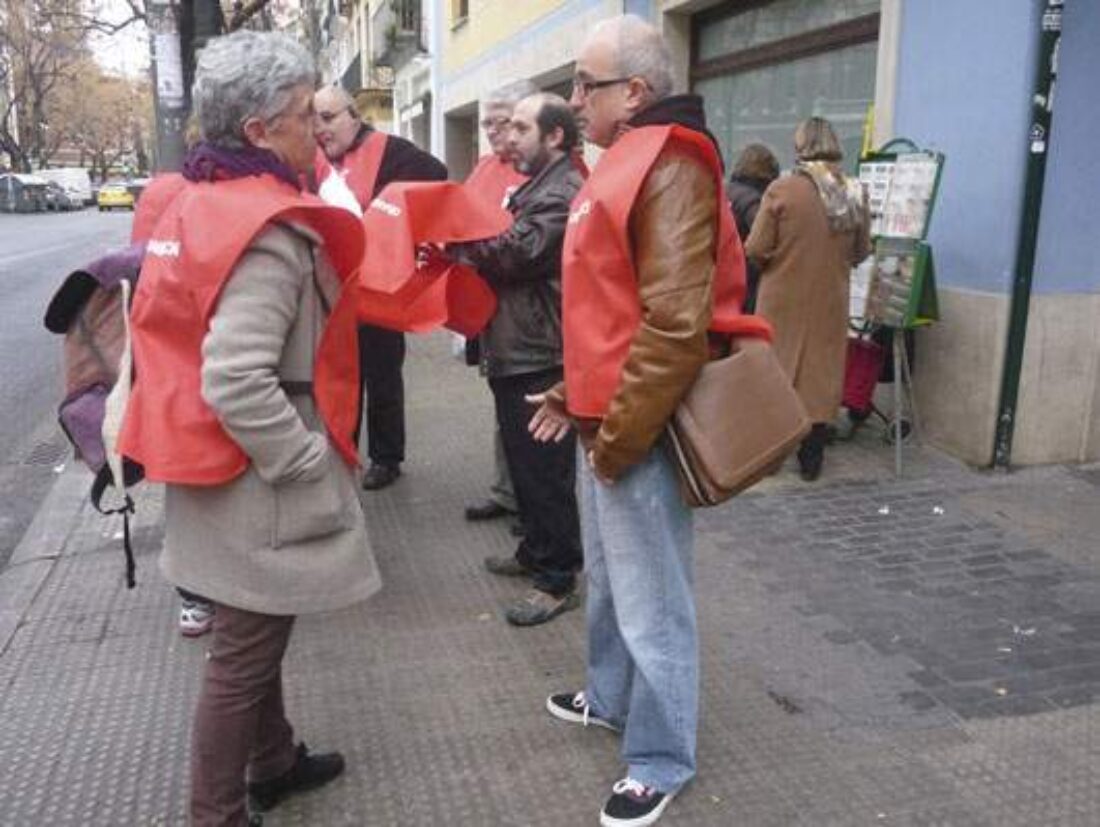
(506, 566)
(538, 606)
(573, 707)
(811, 453)
(632, 804)
(308, 773)
(488, 510)
(811, 470)
(379, 476)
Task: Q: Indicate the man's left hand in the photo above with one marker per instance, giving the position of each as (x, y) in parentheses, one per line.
(590, 455)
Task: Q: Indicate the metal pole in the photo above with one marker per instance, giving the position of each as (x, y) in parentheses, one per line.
(169, 95)
(898, 343)
(1042, 107)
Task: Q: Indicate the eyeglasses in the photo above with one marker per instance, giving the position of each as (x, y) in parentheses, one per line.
(495, 123)
(587, 87)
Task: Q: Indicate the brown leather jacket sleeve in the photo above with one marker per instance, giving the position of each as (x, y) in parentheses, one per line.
(673, 233)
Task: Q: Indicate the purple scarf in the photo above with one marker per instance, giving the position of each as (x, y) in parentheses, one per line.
(207, 162)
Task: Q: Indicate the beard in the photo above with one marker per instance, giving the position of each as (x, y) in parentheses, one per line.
(534, 164)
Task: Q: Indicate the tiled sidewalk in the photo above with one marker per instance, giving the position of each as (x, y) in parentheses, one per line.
(874, 652)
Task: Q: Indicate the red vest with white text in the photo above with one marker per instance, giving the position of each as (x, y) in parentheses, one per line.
(601, 308)
(359, 167)
(168, 427)
(494, 180)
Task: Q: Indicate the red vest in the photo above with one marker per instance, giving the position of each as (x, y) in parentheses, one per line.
(361, 166)
(601, 309)
(168, 428)
(152, 203)
(494, 180)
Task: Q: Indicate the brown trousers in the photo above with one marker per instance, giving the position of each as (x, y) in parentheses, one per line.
(239, 725)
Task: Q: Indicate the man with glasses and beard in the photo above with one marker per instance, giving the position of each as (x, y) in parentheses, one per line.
(523, 353)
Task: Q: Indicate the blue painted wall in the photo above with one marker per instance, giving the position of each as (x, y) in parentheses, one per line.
(1069, 233)
(964, 78)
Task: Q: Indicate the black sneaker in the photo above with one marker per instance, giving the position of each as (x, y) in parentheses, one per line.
(632, 804)
(308, 773)
(573, 707)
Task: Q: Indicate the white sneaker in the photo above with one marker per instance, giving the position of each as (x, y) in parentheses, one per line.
(196, 618)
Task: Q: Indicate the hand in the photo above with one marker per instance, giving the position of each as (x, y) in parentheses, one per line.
(551, 421)
(591, 457)
(428, 254)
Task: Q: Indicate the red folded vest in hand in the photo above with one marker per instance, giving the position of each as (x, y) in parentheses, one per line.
(394, 293)
(441, 295)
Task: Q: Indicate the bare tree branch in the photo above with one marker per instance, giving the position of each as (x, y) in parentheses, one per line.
(244, 12)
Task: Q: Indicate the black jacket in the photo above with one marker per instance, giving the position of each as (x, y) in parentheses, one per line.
(745, 195)
(523, 266)
(402, 160)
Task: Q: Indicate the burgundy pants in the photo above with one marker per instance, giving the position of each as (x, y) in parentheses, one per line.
(239, 725)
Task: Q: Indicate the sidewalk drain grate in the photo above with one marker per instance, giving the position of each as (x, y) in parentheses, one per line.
(47, 453)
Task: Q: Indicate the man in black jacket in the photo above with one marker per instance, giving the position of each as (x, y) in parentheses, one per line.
(355, 162)
(523, 353)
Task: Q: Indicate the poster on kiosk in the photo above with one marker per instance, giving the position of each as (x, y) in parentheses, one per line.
(897, 288)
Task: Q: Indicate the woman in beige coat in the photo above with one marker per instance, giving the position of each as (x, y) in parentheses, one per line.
(287, 535)
(810, 231)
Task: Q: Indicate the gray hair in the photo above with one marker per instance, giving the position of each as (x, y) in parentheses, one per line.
(511, 93)
(243, 75)
(640, 51)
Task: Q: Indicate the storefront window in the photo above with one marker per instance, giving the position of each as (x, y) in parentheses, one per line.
(765, 105)
(762, 71)
(775, 21)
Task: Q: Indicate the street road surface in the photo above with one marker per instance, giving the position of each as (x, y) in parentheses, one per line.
(36, 252)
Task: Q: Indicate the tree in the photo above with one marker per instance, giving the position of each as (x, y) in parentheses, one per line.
(108, 118)
(38, 48)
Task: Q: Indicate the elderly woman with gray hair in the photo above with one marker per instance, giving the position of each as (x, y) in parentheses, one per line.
(244, 344)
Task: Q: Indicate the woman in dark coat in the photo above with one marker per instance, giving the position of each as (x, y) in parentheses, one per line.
(756, 167)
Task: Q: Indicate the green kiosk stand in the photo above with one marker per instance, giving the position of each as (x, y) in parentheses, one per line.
(899, 290)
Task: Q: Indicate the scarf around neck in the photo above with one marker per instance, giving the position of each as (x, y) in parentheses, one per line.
(209, 162)
(841, 196)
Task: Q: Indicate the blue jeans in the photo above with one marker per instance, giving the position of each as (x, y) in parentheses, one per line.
(643, 657)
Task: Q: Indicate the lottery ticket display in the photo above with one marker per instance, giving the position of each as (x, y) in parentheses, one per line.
(899, 290)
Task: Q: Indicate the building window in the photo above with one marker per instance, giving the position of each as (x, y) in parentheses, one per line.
(761, 68)
(460, 10)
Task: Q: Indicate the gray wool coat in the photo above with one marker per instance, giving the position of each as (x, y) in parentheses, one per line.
(288, 536)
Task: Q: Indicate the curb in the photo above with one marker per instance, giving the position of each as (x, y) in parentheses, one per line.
(38, 551)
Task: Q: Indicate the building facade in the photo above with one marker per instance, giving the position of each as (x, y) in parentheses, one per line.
(356, 51)
(957, 77)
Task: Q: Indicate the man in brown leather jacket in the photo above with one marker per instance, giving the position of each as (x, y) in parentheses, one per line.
(642, 675)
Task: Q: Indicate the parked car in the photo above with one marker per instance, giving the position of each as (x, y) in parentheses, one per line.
(58, 198)
(22, 193)
(75, 180)
(115, 197)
